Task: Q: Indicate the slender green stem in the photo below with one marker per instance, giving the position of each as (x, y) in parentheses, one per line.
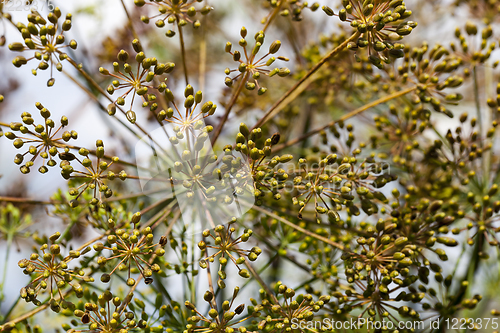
(476, 100)
(203, 58)
(232, 102)
(10, 237)
(28, 201)
(469, 276)
(480, 120)
(234, 98)
(283, 101)
(345, 117)
(183, 52)
(296, 227)
(130, 22)
(12, 307)
(66, 231)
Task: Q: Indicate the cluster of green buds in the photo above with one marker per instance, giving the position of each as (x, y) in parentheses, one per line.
(265, 171)
(44, 140)
(108, 313)
(281, 317)
(224, 246)
(179, 12)
(324, 260)
(289, 8)
(474, 53)
(49, 270)
(398, 129)
(483, 225)
(442, 300)
(380, 24)
(131, 247)
(455, 163)
(432, 70)
(252, 67)
(380, 269)
(218, 319)
(102, 217)
(382, 254)
(419, 225)
(465, 149)
(93, 175)
(143, 82)
(46, 38)
(190, 160)
(189, 120)
(332, 188)
(343, 142)
(207, 181)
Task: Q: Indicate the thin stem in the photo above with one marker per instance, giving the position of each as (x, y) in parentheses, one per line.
(27, 315)
(203, 58)
(12, 307)
(259, 279)
(345, 117)
(28, 201)
(183, 52)
(136, 36)
(42, 307)
(232, 102)
(296, 227)
(480, 121)
(278, 106)
(476, 99)
(273, 16)
(7, 253)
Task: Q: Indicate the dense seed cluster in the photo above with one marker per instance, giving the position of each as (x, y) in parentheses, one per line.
(46, 36)
(251, 67)
(143, 81)
(45, 140)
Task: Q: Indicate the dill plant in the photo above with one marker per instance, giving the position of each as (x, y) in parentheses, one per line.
(361, 204)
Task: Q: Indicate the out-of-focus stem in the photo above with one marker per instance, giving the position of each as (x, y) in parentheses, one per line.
(278, 105)
(183, 52)
(345, 117)
(232, 102)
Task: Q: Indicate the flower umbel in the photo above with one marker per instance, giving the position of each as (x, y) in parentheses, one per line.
(132, 247)
(181, 12)
(380, 24)
(46, 39)
(251, 67)
(141, 82)
(44, 139)
(50, 270)
(225, 246)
